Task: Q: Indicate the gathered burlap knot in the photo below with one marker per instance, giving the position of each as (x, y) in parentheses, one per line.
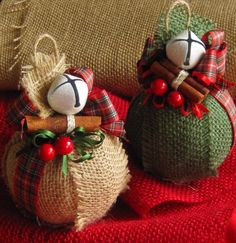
(178, 148)
(39, 76)
(85, 194)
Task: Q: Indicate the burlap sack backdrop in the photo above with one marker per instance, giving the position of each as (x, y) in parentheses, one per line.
(107, 36)
(12, 17)
(83, 196)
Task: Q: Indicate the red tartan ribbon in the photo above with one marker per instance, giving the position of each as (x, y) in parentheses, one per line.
(98, 104)
(27, 178)
(23, 106)
(211, 68)
(83, 72)
(149, 52)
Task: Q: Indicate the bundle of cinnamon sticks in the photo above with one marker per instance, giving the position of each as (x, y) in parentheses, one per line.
(189, 87)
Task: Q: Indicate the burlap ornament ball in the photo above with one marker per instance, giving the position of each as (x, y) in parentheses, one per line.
(64, 171)
(178, 148)
(81, 197)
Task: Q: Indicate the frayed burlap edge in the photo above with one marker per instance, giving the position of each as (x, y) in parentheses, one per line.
(16, 6)
(13, 15)
(38, 76)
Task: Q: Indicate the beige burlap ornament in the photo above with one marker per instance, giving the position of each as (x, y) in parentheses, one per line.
(87, 190)
(85, 194)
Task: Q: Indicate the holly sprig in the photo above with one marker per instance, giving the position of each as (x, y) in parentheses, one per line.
(50, 144)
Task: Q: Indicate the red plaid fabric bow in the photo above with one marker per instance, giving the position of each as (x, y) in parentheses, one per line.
(148, 55)
(83, 72)
(211, 68)
(98, 104)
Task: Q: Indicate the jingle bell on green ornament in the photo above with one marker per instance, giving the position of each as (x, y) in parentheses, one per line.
(185, 50)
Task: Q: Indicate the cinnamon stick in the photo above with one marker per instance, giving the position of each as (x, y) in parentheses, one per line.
(187, 90)
(174, 69)
(58, 124)
(190, 92)
(162, 72)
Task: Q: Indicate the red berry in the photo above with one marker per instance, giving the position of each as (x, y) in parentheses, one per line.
(46, 152)
(64, 145)
(175, 99)
(159, 87)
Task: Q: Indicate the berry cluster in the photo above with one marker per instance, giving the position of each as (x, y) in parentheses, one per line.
(159, 87)
(63, 146)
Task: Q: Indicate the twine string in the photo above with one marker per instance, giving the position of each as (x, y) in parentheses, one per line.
(173, 6)
(70, 123)
(179, 79)
(55, 47)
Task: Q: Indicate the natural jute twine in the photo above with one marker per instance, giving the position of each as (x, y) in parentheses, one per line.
(173, 6)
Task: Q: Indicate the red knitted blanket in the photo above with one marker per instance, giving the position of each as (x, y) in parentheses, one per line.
(150, 211)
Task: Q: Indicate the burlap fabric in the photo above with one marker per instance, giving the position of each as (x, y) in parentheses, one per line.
(12, 17)
(85, 194)
(178, 148)
(42, 71)
(107, 36)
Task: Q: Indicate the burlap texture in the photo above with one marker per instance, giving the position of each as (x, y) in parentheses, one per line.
(178, 148)
(107, 36)
(12, 16)
(42, 71)
(85, 194)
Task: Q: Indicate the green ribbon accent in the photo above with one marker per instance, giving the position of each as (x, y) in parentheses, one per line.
(42, 136)
(84, 143)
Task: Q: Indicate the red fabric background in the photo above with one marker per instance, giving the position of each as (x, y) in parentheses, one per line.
(151, 211)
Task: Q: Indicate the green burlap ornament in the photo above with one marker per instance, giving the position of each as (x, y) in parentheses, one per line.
(178, 148)
(169, 145)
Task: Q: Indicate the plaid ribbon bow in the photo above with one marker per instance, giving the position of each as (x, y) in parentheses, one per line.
(98, 104)
(211, 68)
(148, 56)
